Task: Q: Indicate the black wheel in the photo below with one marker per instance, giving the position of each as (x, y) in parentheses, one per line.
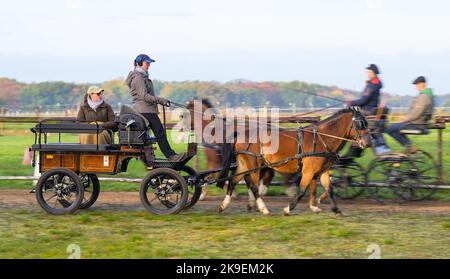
(423, 176)
(58, 185)
(386, 177)
(161, 186)
(194, 187)
(91, 191)
(348, 180)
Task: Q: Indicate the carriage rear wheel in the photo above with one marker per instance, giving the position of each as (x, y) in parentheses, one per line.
(423, 176)
(398, 178)
(57, 185)
(348, 180)
(91, 191)
(161, 186)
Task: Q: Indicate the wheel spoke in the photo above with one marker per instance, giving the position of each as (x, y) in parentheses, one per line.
(47, 200)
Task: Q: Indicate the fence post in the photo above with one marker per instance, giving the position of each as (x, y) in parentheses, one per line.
(2, 124)
(440, 165)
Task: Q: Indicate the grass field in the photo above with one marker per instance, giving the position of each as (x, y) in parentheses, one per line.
(203, 233)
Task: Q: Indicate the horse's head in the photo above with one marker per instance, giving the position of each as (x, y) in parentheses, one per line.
(194, 109)
(359, 130)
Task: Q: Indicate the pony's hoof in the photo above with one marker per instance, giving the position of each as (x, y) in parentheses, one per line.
(339, 214)
(286, 211)
(220, 209)
(267, 213)
(202, 197)
(315, 209)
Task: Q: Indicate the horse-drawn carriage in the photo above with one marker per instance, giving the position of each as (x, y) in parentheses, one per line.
(69, 170)
(395, 176)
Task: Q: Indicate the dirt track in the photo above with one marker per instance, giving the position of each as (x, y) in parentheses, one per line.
(124, 201)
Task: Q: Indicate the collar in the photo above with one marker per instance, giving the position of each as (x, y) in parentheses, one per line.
(375, 80)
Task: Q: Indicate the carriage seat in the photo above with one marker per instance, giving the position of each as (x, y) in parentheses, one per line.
(69, 147)
(133, 127)
(421, 129)
(418, 129)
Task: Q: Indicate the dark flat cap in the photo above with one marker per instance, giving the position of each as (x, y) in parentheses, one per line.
(373, 68)
(419, 80)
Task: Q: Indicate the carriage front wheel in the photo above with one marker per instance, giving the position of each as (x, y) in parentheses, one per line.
(57, 187)
(348, 180)
(160, 186)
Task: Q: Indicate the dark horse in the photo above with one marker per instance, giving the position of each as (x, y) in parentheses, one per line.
(319, 145)
(213, 148)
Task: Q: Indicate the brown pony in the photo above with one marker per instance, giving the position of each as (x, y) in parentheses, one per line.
(213, 152)
(319, 147)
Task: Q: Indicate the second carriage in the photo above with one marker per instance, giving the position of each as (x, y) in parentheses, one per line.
(396, 176)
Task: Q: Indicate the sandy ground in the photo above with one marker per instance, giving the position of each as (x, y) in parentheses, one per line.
(126, 201)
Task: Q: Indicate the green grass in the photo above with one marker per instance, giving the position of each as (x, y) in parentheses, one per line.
(111, 234)
(201, 233)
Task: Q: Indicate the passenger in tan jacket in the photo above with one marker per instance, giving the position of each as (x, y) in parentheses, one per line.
(419, 115)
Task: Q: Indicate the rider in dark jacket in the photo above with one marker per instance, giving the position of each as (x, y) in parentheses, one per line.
(369, 103)
(371, 95)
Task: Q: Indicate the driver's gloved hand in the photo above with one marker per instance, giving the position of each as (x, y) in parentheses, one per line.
(163, 101)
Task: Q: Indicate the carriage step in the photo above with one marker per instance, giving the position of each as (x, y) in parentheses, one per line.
(164, 163)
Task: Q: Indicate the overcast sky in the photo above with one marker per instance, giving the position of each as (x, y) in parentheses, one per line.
(328, 42)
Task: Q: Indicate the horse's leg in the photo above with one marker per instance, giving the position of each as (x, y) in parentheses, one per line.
(204, 192)
(291, 188)
(251, 204)
(254, 179)
(326, 183)
(266, 177)
(304, 183)
(242, 165)
(210, 164)
(312, 197)
(322, 197)
(227, 199)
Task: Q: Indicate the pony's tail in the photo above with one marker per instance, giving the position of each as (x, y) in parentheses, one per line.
(227, 156)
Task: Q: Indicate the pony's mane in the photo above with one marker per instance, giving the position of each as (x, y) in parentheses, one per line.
(205, 101)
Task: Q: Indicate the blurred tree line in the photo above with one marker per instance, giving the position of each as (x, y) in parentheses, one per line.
(234, 93)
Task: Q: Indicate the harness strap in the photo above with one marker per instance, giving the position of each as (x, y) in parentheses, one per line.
(300, 147)
(331, 136)
(246, 152)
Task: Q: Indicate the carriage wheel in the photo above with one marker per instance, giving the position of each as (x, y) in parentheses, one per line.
(423, 176)
(386, 177)
(160, 186)
(348, 180)
(194, 189)
(91, 191)
(58, 185)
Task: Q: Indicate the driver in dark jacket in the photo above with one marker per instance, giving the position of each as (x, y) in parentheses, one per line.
(370, 98)
(369, 103)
